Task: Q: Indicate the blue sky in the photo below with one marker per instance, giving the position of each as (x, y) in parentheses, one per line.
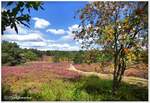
(50, 29)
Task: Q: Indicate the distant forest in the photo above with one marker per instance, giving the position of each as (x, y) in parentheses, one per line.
(12, 55)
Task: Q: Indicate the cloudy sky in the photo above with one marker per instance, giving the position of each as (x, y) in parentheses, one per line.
(50, 29)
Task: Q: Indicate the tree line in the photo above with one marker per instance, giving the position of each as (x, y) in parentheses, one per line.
(12, 55)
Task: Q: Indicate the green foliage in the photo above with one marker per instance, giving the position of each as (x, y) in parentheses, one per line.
(104, 57)
(100, 89)
(142, 55)
(90, 88)
(13, 55)
(29, 55)
(93, 84)
(37, 52)
(115, 26)
(109, 27)
(92, 56)
(55, 91)
(18, 14)
(132, 92)
(79, 57)
(59, 56)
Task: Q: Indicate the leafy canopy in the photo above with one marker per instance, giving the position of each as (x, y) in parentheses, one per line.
(16, 13)
(113, 25)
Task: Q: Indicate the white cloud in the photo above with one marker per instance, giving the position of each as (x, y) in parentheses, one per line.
(67, 37)
(57, 32)
(63, 47)
(34, 39)
(33, 44)
(3, 9)
(71, 35)
(21, 30)
(74, 27)
(44, 45)
(40, 23)
(27, 37)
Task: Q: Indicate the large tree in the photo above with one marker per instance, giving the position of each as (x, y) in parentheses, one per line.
(118, 27)
(14, 13)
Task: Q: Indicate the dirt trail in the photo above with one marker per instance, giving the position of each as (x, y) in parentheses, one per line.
(131, 80)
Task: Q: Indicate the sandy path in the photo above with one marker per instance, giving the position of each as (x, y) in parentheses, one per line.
(131, 80)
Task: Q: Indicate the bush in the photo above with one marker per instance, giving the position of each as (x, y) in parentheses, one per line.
(92, 56)
(94, 84)
(29, 55)
(11, 54)
(79, 57)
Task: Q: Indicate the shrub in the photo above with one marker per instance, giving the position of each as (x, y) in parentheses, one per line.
(94, 84)
(29, 55)
(79, 57)
(11, 54)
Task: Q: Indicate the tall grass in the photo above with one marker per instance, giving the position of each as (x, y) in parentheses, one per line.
(86, 89)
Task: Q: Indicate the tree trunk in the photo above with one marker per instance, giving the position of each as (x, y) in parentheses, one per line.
(119, 68)
(114, 75)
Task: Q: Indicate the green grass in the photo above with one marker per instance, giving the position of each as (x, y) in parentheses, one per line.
(85, 89)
